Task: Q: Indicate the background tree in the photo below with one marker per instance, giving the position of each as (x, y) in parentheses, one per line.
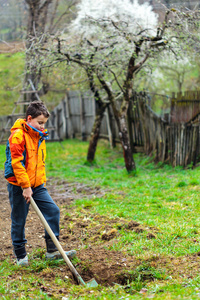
(115, 57)
(42, 20)
(124, 47)
(114, 51)
(14, 15)
(12, 19)
(169, 72)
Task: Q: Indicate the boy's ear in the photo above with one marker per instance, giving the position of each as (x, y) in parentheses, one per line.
(29, 118)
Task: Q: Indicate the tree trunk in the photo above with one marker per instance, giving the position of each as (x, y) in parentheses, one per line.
(120, 118)
(36, 28)
(127, 151)
(33, 75)
(94, 136)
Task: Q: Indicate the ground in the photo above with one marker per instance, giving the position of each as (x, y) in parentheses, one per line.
(91, 235)
(77, 230)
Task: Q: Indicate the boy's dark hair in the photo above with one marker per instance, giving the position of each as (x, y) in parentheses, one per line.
(37, 108)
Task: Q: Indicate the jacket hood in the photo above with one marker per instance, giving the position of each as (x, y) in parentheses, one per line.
(19, 124)
(22, 124)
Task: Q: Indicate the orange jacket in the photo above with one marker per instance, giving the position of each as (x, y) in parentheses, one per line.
(25, 156)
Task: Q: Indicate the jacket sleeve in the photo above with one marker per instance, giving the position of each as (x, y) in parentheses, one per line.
(17, 149)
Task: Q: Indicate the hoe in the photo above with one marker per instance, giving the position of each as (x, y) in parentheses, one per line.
(92, 282)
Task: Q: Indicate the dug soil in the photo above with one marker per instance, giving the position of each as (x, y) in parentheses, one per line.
(92, 235)
(89, 234)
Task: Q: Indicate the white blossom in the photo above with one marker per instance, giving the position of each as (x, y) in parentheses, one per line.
(136, 17)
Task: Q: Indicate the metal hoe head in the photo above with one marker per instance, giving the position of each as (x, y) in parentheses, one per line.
(91, 283)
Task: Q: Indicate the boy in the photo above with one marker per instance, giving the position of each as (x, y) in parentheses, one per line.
(25, 173)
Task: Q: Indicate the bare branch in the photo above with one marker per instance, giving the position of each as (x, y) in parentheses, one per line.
(45, 5)
(66, 12)
(53, 16)
(116, 79)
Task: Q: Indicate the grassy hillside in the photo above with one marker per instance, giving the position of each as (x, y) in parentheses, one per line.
(162, 201)
(11, 77)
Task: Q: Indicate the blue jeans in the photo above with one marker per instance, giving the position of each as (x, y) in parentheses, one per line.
(19, 212)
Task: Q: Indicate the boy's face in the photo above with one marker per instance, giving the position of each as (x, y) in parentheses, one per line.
(38, 122)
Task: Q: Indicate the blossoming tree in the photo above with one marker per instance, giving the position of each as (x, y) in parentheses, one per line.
(111, 35)
(112, 41)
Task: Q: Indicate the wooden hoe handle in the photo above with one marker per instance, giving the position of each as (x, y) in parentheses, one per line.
(56, 242)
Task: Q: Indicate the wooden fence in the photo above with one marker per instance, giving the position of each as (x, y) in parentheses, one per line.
(73, 117)
(176, 143)
(184, 106)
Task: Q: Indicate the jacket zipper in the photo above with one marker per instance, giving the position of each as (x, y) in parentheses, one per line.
(36, 165)
(42, 155)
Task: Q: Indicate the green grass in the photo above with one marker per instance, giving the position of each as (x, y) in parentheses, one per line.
(165, 198)
(11, 77)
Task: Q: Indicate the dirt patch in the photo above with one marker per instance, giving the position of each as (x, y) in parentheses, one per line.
(88, 233)
(91, 235)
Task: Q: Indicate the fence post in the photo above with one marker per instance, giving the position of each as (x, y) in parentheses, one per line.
(68, 117)
(65, 127)
(82, 117)
(109, 128)
(130, 127)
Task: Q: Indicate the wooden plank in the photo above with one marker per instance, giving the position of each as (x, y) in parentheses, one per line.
(68, 117)
(130, 127)
(29, 92)
(109, 129)
(22, 103)
(83, 120)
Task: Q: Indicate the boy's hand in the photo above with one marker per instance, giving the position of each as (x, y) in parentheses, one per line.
(27, 193)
